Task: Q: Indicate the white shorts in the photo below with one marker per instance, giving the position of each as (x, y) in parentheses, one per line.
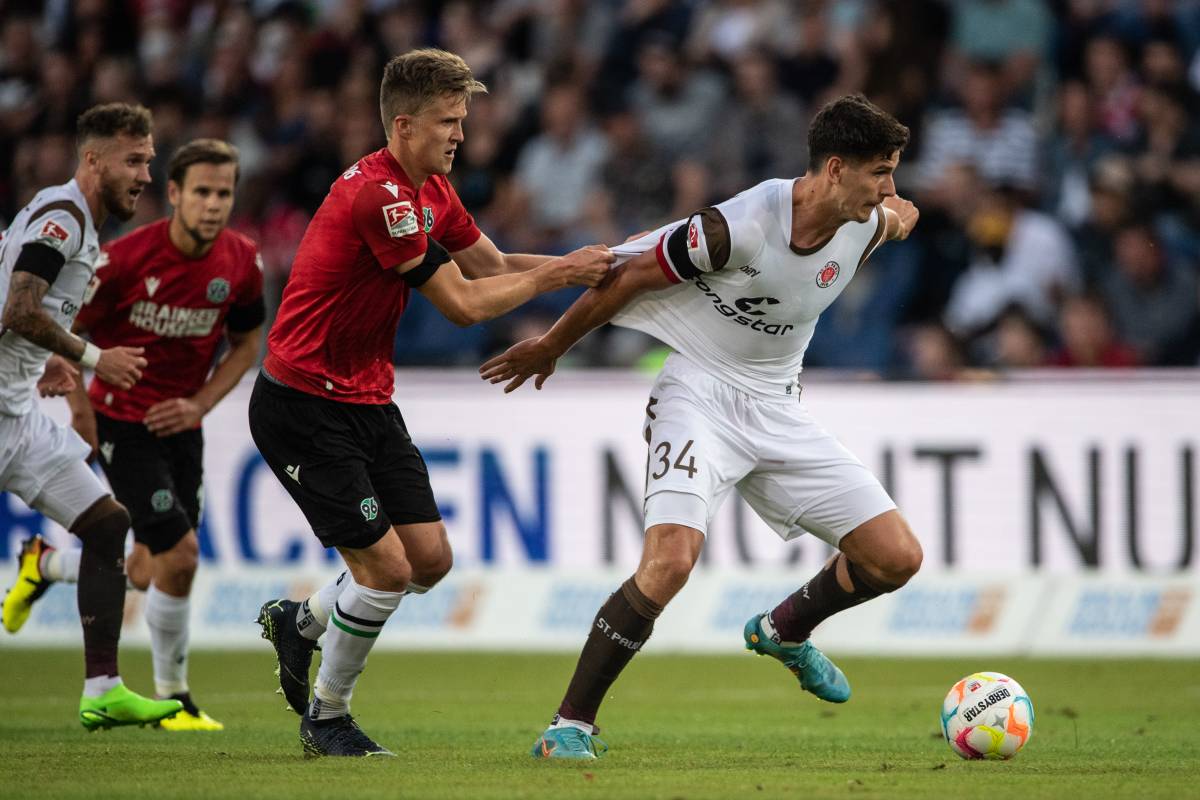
(42, 462)
(706, 437)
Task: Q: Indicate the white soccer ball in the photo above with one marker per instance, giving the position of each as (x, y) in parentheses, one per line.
(987, 715)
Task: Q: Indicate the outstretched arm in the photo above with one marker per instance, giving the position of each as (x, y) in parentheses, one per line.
(466, 302)
(597, 306)
(483, 259)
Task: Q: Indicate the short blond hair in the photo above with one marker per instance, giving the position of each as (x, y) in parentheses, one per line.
(419, 77)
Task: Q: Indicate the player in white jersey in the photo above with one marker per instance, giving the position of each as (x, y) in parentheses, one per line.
(735, 290)
(47, 258)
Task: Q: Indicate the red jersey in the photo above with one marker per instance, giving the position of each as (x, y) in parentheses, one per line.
(146, 293)
(334, 334)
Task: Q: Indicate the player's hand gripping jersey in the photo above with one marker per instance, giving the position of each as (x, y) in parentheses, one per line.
(58, 217)
(747, 301)
(148, 294)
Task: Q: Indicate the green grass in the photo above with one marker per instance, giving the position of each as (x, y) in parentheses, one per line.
(679, 727)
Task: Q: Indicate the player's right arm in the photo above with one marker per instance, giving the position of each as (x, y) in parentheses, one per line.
(466, 302)
(37, 267)
(538, 356)
(705, 242)
(385, 217)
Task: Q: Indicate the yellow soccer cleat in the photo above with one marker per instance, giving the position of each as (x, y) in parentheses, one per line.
(29, 586)
(187, 721)
(190, 718)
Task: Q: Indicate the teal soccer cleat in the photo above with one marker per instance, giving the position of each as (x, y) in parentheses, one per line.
(568, 743)
(817, 674)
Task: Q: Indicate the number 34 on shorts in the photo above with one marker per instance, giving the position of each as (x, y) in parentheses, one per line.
(661, 463)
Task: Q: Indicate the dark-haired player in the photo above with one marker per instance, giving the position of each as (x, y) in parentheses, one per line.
(47, 258)
(178, 288)
(735, 290)
(322, 413)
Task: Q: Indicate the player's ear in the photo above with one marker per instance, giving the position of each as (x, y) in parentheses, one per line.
(174, 190)
(834, 169)
(402, 126)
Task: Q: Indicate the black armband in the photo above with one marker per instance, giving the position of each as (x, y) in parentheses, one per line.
(41, 260)
(435, 256)
(242, 319)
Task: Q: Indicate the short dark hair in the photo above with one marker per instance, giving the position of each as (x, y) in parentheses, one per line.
(854, 128)
(201, 151)
(111, 120)
(417, 78)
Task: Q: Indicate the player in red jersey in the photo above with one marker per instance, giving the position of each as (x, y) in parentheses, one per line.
(178, 288)
(321, 412)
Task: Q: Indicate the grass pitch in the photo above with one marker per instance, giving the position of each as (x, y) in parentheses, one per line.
(678, 726)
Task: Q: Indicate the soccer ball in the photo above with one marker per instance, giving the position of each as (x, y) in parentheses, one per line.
(987, 715)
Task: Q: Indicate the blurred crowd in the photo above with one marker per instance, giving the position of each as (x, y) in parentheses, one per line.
(1055, 151)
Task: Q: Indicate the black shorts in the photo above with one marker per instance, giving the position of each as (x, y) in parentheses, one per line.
(352, 468)
(159, 479)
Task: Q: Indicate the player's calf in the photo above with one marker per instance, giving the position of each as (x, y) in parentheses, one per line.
(101, 590)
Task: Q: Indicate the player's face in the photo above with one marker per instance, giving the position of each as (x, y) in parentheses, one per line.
(867, 184)
(123, 165)
(437, 132)
(205, 200)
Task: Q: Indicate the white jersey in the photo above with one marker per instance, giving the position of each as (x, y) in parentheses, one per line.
(747, 301)
(57, 217)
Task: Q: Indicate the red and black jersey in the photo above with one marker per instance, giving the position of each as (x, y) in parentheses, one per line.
(337, 323)
(146, 293)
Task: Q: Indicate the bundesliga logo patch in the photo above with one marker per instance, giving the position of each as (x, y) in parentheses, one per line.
(53, 234)
(400, 219)
(828, 274)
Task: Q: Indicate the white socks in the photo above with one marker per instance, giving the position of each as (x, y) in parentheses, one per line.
(312, 618)
(167, 618)
(94, 687)
(61, 564)
(355, 621)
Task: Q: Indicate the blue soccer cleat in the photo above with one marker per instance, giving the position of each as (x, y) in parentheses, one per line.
(569, 743)
(817, 674)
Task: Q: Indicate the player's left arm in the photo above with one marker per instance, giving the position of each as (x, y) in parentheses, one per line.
(483, 260)
(900, 217)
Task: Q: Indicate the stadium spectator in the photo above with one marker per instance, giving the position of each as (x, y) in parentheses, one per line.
(1021, 257)
(756, 139)
(1018, 341)
(997, 139)
(1088, 338)
(558, 169)
(1153, 297)
(678, 107)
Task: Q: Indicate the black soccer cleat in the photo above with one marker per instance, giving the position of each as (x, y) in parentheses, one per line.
(293, 651)
(339, 736)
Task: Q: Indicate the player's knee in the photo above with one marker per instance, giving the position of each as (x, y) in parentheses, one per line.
(103, 526)
(393, 575)
(431, 573)
(182, 559)
(901, 561)
(671, 570)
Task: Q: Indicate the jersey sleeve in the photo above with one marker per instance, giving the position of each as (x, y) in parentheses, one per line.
(248, 310)
(58, 225)
(100, 297)
(708, 242)
(461, 231)
(388, 224)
